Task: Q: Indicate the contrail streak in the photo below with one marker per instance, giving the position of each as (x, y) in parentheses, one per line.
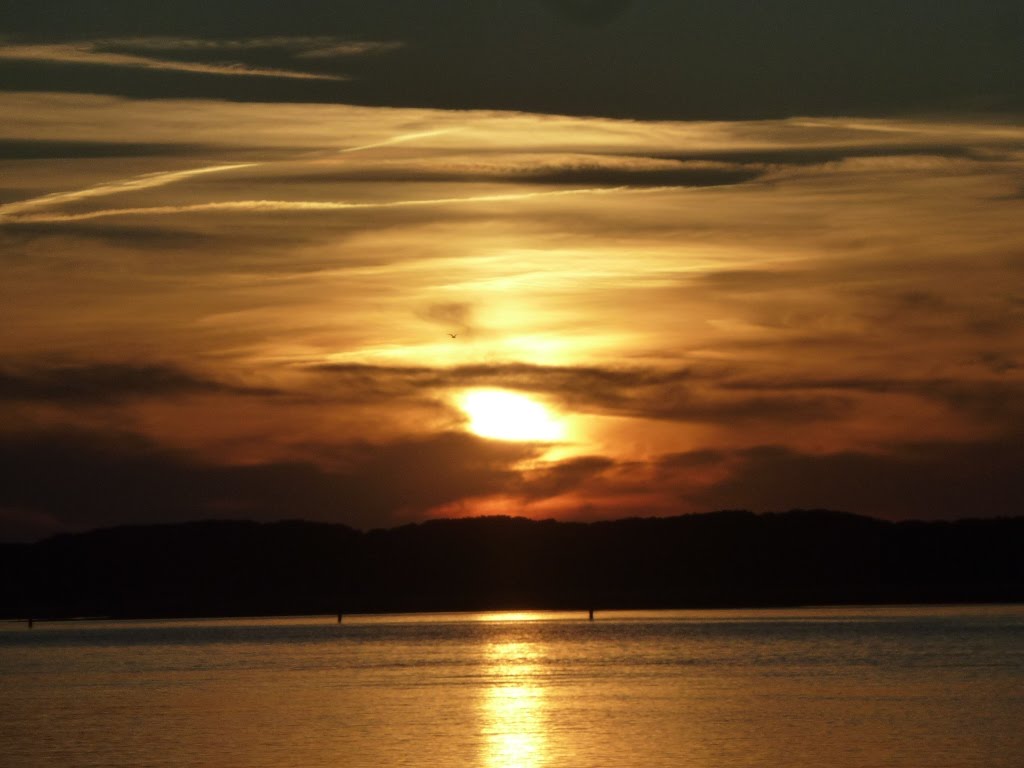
(400, 139)
(85, 53)
(13, 211)
(147, 181)
(246, 206)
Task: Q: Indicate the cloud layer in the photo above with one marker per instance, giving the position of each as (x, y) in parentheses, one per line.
(215, 306)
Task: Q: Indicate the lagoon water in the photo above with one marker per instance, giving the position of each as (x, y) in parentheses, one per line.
(920, 687)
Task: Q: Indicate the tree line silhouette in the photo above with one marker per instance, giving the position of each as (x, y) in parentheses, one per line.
(720, 559)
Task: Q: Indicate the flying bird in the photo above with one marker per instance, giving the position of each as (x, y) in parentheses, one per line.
(453, 335)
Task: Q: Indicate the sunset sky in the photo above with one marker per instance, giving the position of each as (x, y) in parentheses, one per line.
(381, 261)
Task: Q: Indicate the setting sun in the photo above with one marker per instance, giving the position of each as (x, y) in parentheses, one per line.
(504, 415)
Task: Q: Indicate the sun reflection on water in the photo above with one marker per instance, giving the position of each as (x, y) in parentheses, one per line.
(513, 616)
(513, 712)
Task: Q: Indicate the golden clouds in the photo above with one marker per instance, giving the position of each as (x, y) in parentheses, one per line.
(706, 303)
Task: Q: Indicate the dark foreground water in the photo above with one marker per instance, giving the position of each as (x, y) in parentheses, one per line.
(845, 687)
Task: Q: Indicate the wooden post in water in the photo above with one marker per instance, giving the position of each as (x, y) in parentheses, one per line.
(591, 614)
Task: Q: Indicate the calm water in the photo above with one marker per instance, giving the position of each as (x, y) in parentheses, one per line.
(865, 687)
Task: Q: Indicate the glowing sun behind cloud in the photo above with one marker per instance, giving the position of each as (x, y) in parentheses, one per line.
(503, 415)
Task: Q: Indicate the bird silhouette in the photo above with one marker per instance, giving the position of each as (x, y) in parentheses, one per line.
(453, 335)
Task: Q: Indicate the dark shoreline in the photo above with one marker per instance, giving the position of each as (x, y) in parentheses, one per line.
(722, 560)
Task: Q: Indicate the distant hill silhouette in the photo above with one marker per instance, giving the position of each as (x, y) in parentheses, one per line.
(721, 559)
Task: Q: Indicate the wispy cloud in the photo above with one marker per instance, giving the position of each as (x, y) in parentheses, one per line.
(146, 181)
(16, 210)
(299, 206)
(92, 53)
(400, 139)
(332, 50)
(302, 46)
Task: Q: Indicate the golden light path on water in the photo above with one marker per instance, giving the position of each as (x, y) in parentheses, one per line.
(513, 713)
